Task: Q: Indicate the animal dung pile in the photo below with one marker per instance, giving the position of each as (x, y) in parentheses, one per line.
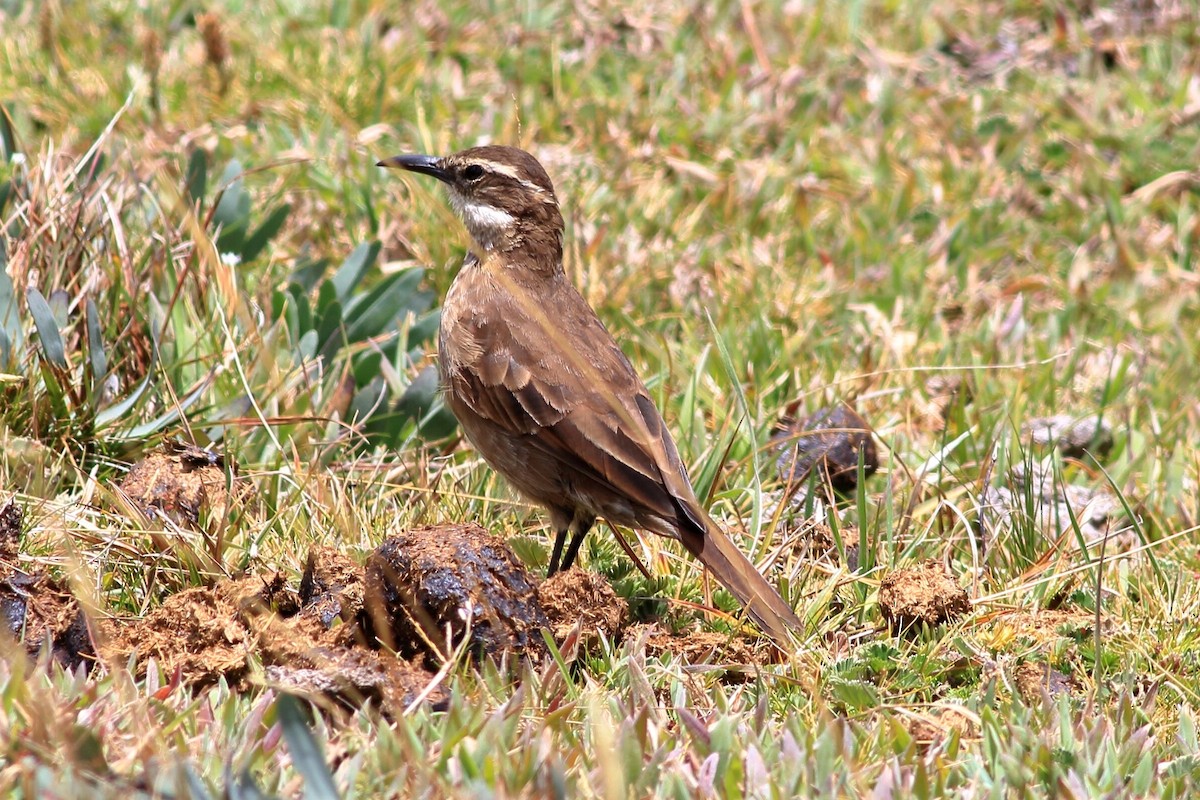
(181, 481)
(345, 634)
(830, 441)
(924, 594)
(584, 599)
(35, 608)
(429, 588)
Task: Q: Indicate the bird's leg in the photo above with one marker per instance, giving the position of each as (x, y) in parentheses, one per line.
(582, 525)
(560, 520)
(560, 537)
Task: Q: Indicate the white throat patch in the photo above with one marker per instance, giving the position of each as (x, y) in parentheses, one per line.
(485, 223)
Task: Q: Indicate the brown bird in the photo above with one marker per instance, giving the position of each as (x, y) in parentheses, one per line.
(544, 393)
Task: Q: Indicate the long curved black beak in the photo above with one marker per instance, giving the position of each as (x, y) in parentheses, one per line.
(426, 165)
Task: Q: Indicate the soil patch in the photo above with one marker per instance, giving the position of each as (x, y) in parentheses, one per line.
(226, 630)
(1045, 627)
(332, 587)
(696, 647)
(931, 726)
(1035, 681)
(353, 677)
(925, 594)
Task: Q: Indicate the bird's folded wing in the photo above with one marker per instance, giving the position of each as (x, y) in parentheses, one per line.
(576, 397)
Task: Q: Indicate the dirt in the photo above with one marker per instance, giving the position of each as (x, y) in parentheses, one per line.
(182, 481)
(925, 594)
(226, 630)
(332, 587)
(830, 440)
(931, 726)
(1045, 627)
(696, 647)
(429, 587)
(36, 609)
(576, 597)
(201, 633)
(346, 634)
(1035, 681)
(320, 639)
(353, 677)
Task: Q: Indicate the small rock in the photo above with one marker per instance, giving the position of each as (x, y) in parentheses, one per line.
(1074, 437)
(925, 594)
(829, 440)
(452, 577)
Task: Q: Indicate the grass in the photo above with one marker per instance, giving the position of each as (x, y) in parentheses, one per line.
(768, 201)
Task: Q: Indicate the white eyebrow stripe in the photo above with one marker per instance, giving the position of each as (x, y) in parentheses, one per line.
(506, 170)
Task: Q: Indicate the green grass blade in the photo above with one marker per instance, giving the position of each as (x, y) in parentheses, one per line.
(10, 313)
(97, 358)
(353, 269)
(47, 328)
(118, 410)
(265, 232)
(306, 752)
(196, 181)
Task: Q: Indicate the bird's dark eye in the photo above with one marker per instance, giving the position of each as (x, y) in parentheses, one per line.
(472, 172)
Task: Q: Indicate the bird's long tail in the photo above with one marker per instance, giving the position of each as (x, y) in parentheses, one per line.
(743, 580)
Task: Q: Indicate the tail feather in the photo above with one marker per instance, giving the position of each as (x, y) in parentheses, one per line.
(735, 572)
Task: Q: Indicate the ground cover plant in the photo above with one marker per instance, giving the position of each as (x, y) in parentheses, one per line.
(962, 220)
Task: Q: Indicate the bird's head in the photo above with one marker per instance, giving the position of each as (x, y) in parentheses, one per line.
(502, 194)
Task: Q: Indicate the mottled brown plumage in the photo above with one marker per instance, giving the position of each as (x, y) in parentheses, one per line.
(543, 391)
